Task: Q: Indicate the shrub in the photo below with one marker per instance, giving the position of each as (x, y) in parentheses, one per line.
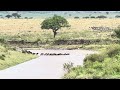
(38, 40)
(2, 40)
(71, 75)
(85, 17)
(94, 57)
(67, 66)
(2, 57)
(117, 32)
(76, 17)
(92, 17)
(113, 50)
(117, 16)
(26, 17)
(101, 16)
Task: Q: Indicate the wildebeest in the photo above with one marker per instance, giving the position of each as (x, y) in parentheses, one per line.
(29, 52)
(100, 28)
(42, 54)
(67, 54)
(33, 53)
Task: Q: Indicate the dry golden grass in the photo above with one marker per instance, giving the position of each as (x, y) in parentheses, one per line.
(13, 25)
(84, 24)
(33, 25)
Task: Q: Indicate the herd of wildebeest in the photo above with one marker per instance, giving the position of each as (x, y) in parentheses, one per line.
(101, 28)
(46, 54)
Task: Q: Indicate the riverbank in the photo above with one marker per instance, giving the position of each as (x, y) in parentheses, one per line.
(10, 57)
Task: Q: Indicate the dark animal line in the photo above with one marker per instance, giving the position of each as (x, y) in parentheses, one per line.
(46, 54)
(54, 54)
(29, 52)
(100, 28)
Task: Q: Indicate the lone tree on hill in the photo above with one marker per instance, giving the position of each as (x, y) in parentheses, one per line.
(55, 23)
(16, 15)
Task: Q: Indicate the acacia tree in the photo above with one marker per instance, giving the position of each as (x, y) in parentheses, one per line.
(15, 15)
(8, 16)
(18, 16)
(55, 23)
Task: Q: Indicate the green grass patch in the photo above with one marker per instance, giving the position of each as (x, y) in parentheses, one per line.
(47, 36)
(10, 57)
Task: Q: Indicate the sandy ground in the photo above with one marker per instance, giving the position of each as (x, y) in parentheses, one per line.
(23, 25)
(45, 67)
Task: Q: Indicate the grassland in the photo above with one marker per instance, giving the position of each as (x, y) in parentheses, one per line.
(24, 25)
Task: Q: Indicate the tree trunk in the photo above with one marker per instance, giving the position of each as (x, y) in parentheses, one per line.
(55, 33)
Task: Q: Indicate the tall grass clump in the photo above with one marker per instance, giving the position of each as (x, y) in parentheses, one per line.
(113, 50)
(117, 32)
(94, 57)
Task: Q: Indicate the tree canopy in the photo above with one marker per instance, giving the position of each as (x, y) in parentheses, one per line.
(8, 16)
(16, 15)
(55, 23)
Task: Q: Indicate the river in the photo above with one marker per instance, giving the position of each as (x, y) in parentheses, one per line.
(45, 67)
